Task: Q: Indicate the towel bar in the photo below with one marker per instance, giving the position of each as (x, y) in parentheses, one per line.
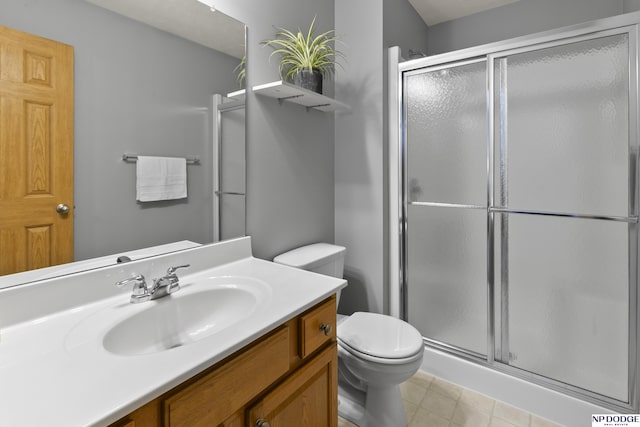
(193, 160)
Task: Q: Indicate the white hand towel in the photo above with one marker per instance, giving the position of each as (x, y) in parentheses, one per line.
(161, 178)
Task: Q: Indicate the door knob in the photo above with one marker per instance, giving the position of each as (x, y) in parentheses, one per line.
(63, 208)
(262, 423)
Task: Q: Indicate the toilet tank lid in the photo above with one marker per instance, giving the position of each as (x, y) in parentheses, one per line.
(311, 256)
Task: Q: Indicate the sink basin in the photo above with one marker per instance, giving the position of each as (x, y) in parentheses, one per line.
(186, 316)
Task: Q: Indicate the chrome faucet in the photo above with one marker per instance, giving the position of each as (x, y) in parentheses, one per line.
(140, 291)
(167, 284)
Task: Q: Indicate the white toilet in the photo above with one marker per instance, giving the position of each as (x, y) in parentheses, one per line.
(375, 352)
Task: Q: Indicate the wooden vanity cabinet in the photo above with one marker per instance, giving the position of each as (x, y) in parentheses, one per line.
(289, 377)
(306, 398)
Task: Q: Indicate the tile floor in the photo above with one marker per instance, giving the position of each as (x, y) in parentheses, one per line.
(433, 402)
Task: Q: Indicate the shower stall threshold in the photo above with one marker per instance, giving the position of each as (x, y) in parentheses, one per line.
(554, 406)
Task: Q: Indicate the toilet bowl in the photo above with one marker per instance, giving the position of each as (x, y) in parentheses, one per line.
(376, 352)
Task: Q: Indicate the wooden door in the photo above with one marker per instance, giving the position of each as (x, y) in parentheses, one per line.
(308, 398)
(36, 151)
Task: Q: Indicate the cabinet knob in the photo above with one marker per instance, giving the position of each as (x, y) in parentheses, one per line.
(326, 328)
(262, 423)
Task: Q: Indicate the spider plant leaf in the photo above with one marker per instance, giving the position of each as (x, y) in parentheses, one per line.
(304, 50)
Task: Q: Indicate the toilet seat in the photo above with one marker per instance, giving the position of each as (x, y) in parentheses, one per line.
(380, 338)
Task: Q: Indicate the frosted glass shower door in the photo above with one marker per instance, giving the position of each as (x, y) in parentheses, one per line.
(568, 301)
(231, 172)
(446, 193)
(565, 211)
(563, 123)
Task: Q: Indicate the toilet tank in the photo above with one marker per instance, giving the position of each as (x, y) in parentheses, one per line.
(322, 258)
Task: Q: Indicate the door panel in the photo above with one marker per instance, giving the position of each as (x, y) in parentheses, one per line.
(563, 118)
(568, 300)
(447, 275)
(563, 148)
(446, 174)
(36, 151)
(446, 134)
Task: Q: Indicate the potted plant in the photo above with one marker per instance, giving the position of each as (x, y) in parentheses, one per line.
(305, 58)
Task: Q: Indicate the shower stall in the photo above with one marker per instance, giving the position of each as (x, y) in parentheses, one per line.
(518, 174)
(229, 172)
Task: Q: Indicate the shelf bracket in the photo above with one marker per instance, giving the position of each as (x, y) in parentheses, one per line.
(281, 100)
(317, 106)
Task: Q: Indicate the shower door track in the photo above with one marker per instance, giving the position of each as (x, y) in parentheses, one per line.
(491, 54)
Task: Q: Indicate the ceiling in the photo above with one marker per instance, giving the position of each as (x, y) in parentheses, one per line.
(194, 21)
(188, 19)
(437, 11)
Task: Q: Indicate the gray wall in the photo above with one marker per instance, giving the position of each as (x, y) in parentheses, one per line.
(368, 27)
(137, 90)
(359, 154)
(630, 5)
(289, 150)
(403, 27)
(520, 18)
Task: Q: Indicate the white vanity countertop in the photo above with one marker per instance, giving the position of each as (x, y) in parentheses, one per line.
(54, 370)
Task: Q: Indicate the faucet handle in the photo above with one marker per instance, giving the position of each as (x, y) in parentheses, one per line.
(136, 280)
(140, 292)
(170, 282)
(172, 270)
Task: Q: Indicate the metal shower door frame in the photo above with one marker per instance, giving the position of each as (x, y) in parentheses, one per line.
(406, 202)
(493, 53)
(218, 108)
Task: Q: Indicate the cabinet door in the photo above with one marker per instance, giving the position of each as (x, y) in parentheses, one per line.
(308, 398)
(217, 396)
(145, 416)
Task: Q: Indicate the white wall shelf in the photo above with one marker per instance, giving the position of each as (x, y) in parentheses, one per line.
(238, 95)
(284, 91)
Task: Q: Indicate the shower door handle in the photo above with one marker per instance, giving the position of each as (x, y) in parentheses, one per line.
(628, 219)
(230, 193)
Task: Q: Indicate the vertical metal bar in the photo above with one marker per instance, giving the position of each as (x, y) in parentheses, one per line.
(216, 139)
(394, 272)
(504, 220)
(405, 200)
(491, 330)
(633, 122)
(634, 303)
(633, 315)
